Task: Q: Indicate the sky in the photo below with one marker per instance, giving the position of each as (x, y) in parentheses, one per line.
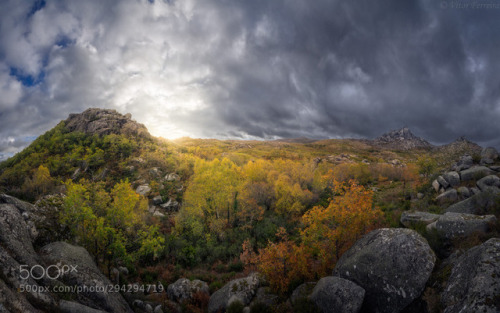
(260, 69)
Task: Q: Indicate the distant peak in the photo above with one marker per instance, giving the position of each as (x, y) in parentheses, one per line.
(402, 139)
(105, 122)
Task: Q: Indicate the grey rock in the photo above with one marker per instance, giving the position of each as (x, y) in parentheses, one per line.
(158, 309)
(431, 227)
(74, 307)
(104, 122)
(465, 162)
(456, 225)
(479, 204)
(485, 161)
(474, 283)
(436, 185)
(391, 265)
(171, 205)
(265, 296)
(443, 182)
(453, 178)
(490, 182)
(183, 289)
(412, 219)
(489, 153)
(420, 195)
(148, 308)
(495, 168)
(447, 196)
(86, 274)
(143, 190)
(464, 192)
(302, 291)
(475, 191)
(475, 173)
(242, 289)
(157, 200)
(335, 294)
(172, 177)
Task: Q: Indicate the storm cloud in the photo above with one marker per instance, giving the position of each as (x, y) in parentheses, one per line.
(253, 69)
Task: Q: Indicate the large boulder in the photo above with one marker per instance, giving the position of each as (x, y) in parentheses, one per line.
(302, 291)
(465, 162)
(84, 273)
(475, 173)
(489, 183)
(392, 265)
(447, 196)
(452, 178)
(183, 289)
(413, 219)
(474, 283)
(75, 307)
(489, 155)
(480, 203)
(455, 225)
(335, 294)
(242, 290)
(17, 256)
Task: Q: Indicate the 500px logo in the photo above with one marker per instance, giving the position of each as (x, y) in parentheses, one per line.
(51, 272)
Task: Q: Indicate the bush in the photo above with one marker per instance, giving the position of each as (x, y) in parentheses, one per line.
(235, 307)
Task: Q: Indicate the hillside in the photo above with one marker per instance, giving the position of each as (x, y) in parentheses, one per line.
(197, 217)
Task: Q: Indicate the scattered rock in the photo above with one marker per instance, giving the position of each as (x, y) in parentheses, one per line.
(452, 178)
(335, 294)
(143, 190)
(474, 283)
(436, 185)
(184, 289)
(464, 163)
(172, 177)
(475, 173)
(157, 200)
(495, 168)
(454, 225)
(412, 219)
(242, 289)
(171, 205)
(464, 192)
(443, 182)
(491, 182)
(391, 265)
(447, 196)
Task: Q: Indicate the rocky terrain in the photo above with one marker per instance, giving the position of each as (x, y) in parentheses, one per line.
(443, 257)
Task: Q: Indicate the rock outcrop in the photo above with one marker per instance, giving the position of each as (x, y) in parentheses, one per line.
(474, 283)
(402, 139)
(391, 265)
(105, 122)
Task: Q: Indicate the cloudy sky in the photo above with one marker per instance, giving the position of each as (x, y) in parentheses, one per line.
(254, 69)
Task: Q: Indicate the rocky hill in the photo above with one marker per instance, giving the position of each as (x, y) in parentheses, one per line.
(402, 139)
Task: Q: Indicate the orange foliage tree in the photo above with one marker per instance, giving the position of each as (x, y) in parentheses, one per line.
(327, 233)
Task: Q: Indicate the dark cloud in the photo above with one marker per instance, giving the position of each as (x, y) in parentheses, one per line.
(253, 69)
